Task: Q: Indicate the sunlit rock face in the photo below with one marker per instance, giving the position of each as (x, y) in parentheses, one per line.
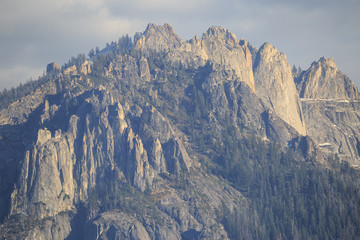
(276, 88)
(331, 109)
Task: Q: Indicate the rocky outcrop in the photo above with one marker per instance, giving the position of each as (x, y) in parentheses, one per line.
(323, 80)
(52, 68)
(85, 67)
(58, 227)
(156, 39)
(116, 225)
(334, 126)
(144, 70)
(331, 109)
(19, 111)
(167, 147)
(233, 102)
(136, 156)
(64, 165)
(221, 47)
(275, 86)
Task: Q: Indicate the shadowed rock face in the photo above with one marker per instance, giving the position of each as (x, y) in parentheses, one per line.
(52, 67)
(275, 86)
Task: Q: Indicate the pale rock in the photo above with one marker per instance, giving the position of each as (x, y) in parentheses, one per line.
(144, 70)
(177, 208)
(156, 39)
(141, 173)
(125, 68)
(73, 125)
(46, 185)
(72, 70)
(46, 105)
(276, 88)
(330, 103)
(85, 68)
(156, 126)
(334, 127)
(218, 45)
(19, 111)
(109, 133)
(56, 228)
(120, 125)
(118, 225)
(46, 114)
(43, 136)
(157, 158)
(323, 80)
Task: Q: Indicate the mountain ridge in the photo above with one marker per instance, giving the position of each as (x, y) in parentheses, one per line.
(162, 138)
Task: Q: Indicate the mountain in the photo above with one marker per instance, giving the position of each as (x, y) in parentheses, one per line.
(323, 80)
(159, 138)
(331, 106)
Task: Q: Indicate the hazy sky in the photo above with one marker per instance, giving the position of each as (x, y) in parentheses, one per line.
(35, 33)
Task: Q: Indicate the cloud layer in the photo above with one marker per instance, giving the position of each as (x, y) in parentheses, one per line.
(34, 33)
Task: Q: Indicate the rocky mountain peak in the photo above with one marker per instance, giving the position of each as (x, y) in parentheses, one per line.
(167, 139)
(330, 102)
(222, 34)
(268, 53)
(275, 86)
(327, 62)
(157, 38)
(52, 67)
(218, 46)
(152, 28)
(323, 80)
(216, 31)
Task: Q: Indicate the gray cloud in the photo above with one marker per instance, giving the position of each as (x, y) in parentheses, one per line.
(34, 33)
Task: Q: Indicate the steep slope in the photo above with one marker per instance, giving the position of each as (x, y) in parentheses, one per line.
(275, 86)
(166, 139)
(156, 39)
(323, 80)
(218, 46)
(132, 147)
(82, 144)
(331, 109)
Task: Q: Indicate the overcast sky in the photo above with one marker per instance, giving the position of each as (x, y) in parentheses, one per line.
(37, 32)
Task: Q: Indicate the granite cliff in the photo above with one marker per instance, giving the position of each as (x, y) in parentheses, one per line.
(276, 87)
(330, 104)
(160, 138)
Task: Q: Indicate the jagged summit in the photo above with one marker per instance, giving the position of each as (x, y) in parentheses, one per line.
(157, 38)
(330, 102)
(165, 29)
(323, 80)
(218, 31)
(52, 67)
(268, 52)
(222, 34)
(154, 26)
(327, 62)
(160, 138)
